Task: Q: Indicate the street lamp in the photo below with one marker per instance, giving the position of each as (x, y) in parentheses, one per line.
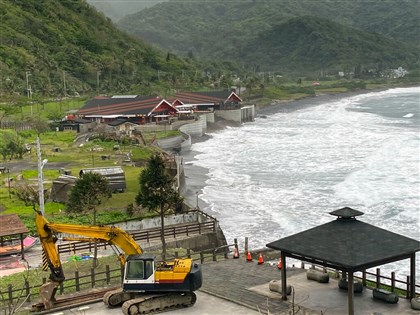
(8, 180)
(28, 89)
(98, 73)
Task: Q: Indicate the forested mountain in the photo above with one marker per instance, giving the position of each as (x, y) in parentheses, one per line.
(116, 9)
(252, 29)
(57, 48)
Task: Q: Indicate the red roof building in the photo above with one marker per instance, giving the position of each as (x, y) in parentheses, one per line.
(131, 107)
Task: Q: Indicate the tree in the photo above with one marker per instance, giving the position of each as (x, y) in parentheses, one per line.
(29, 194)
(157, 192)
(87, 193)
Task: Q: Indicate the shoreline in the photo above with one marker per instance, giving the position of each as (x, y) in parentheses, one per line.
(196, 176)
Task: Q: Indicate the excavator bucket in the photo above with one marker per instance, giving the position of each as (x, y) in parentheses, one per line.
(47, 294)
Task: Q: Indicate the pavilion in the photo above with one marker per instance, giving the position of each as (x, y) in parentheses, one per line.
(11, 225)
(349, 245)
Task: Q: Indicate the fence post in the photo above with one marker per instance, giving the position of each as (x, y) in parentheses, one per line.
(61, 287)
(77, 280)
(92, 277)
(392, 282)
(201, 257)
(246, 244)
(302, 265)
(235, 242)
(214, 256)
(28, 291)
(188, 253)
(378, 277)
(364, 278)
(187, 231)
(10, 293)
(408, 288)
(107, 274)
(199, 228)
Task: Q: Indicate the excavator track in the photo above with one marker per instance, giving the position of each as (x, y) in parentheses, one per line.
(117, 297)
(156, 303)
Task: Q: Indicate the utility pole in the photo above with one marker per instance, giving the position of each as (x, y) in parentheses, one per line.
(28, 88)
(41, 165)
(98, 73)
(64, 83)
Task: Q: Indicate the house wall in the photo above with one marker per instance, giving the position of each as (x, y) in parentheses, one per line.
(83, 128)
(240, 115)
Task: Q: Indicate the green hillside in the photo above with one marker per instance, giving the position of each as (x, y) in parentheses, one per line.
(58, 48)
(241, 29)
(308, 43)
(117, 9)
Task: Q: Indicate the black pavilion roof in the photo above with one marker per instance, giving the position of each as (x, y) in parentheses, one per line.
(347, 244)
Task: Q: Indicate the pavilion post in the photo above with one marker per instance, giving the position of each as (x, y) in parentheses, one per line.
(413, 276)
(350, 293)
(283, 277)
(21, 246)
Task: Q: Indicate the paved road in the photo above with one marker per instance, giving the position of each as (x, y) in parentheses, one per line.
(235, 286)
(206, 305)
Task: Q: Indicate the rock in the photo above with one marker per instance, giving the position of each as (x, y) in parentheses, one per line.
(357, 286)
(317, 275)
(384, 295)
(275, 285)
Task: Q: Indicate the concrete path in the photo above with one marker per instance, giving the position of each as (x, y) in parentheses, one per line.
(247, 283)
(235, 286)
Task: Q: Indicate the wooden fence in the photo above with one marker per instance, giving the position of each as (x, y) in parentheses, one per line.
(112, 277)
(145, 236)
(95, 279)
(376, 280)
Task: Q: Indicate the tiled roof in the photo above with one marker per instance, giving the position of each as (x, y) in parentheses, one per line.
(11, 224)
(203, 97)
(121, 106)
(347, 244)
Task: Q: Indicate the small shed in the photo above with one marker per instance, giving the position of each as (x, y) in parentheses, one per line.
(61, 187)
(11, 225)
(114, 175)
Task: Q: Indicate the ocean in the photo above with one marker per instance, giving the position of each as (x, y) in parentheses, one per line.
(285, 172)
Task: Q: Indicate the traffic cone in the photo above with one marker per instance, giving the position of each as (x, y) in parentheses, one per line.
(248, 257)
(260, 260)
(280, 264)
(235, 253)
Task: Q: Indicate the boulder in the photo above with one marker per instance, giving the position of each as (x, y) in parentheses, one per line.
(415, 303)
(357, 286)
(317, 275)
(275, 285)
(385, 295)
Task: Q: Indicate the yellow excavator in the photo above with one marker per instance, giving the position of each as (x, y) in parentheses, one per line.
(147, 285)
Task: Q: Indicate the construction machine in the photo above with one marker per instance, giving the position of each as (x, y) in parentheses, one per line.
(147, 286)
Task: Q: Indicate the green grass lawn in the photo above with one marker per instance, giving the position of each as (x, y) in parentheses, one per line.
(75, 158)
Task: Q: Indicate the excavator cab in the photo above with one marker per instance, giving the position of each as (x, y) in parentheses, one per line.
(144, 274)
(140, 269)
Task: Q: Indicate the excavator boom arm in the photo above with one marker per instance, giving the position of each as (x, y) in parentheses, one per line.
(109, 234)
